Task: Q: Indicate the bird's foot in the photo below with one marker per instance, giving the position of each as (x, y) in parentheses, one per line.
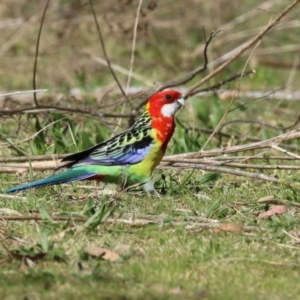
(151, 191)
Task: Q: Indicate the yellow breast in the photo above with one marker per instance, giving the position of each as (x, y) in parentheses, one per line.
(145, 168)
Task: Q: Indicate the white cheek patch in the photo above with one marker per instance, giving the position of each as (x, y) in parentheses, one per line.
(169, 110)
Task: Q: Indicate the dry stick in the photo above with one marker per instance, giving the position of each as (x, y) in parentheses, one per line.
(6, 196)
(39, 218)
(33, 158)
(272, 200)
(294, 134)
(259, 156)
(296, 239)
(54, 157)
(244, 48)
(37, 53)
(134, 44)
(22, 92)
(213, 162)
(48, 108)
(135, 222)
(288, 153)
(104, 50)
(221, 170)
(130, 222)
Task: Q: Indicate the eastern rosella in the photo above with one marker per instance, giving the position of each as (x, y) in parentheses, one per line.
(128, 158)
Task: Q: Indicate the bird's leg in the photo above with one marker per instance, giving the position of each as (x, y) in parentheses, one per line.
(149, 188)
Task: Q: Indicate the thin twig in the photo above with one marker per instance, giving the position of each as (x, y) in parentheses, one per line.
(47, 108)
(37, 53)
(22, 92)
(294, 238)
(104, 50)
(272, 200)
(222, 170)
(288, 153)
(213, 162)
(134, 44)
(45, 158)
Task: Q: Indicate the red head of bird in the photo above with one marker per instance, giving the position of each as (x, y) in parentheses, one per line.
(164, 104)
(162, 107)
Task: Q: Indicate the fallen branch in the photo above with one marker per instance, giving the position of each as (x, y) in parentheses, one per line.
(270, 143)
(192, 160)
(222, 170)
(272, 200)
(177, 221)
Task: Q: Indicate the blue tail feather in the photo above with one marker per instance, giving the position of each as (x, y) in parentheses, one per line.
(65, 177)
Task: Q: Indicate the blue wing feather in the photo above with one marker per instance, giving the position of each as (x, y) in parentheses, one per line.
(132, 156)
(129, 147)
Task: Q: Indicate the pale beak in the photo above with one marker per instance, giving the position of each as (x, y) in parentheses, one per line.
(181, 101)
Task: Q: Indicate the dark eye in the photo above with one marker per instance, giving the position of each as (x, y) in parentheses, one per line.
(169, 97)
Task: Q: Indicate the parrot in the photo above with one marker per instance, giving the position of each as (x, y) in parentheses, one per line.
(127, 158)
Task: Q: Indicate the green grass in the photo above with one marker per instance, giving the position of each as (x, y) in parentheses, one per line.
(176, 258)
